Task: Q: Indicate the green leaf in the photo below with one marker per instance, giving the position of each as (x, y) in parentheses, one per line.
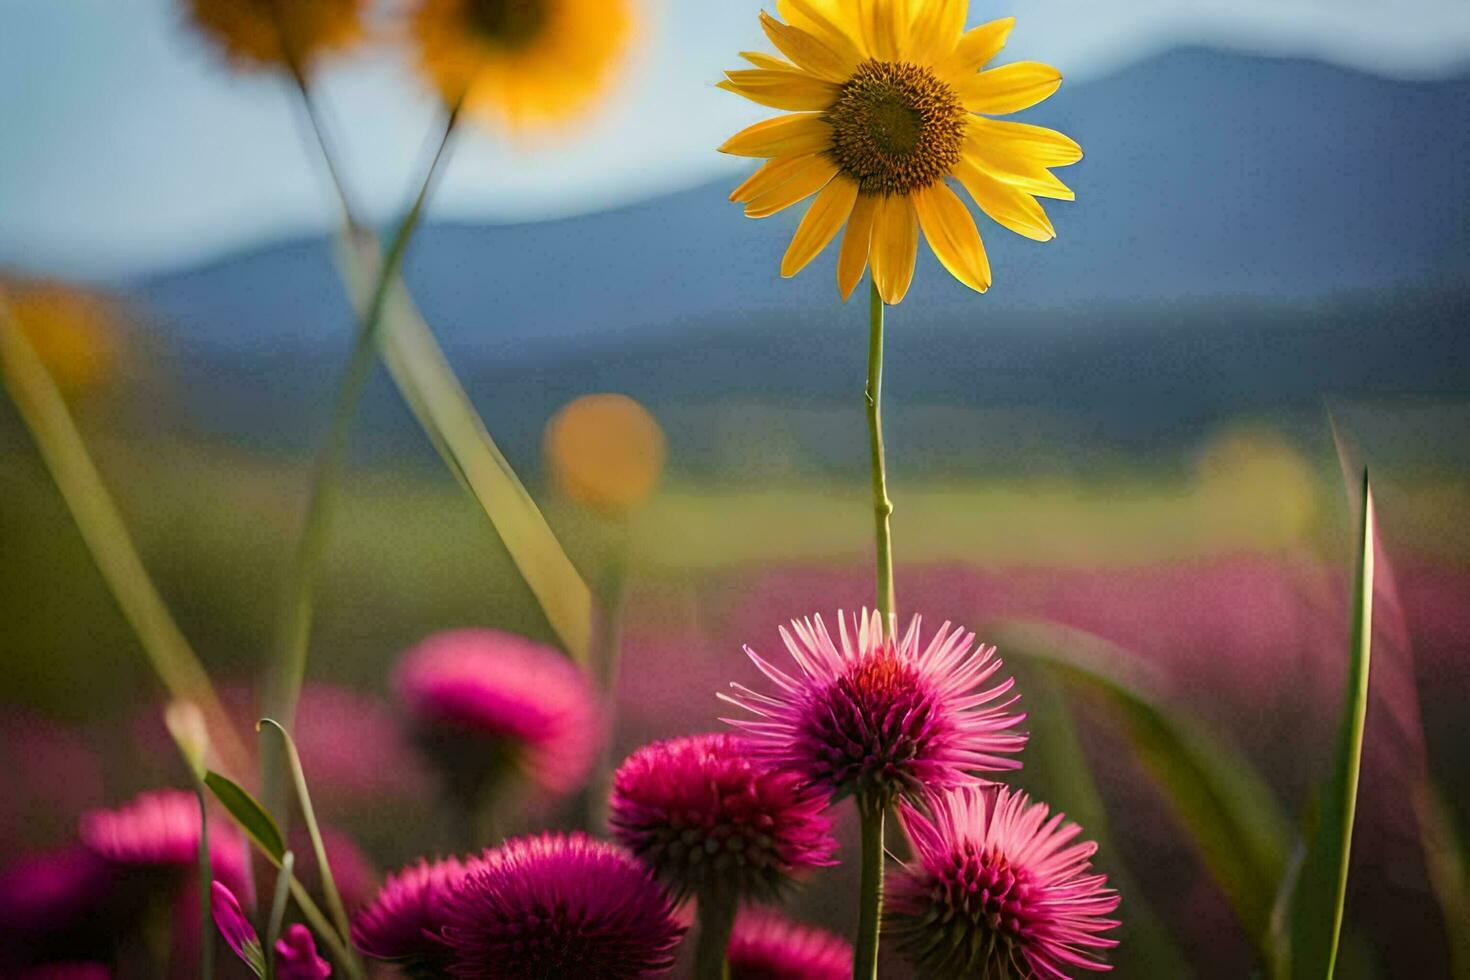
(429, 386)
(1321, 887)
(303, 797)
(104, 532)
(249, 814)
(1231, 815)
(1056, 757)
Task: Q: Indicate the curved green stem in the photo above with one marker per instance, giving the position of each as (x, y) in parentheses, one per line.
(882, 505)
(870, 890)
(716, 922)
(289, 669)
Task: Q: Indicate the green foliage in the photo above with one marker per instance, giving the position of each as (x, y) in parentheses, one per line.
(1316, 903)
(249, 814)
(1230, 813)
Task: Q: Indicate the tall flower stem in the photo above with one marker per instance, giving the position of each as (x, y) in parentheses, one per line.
(716, 922)
(870, 890)
(882, 505)
(289, 668)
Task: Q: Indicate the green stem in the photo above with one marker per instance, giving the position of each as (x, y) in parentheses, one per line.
(606, 657)
(289, 669)
(870, 891)
(882, 505)
(716, 922)
(45, 414)
(206, 880)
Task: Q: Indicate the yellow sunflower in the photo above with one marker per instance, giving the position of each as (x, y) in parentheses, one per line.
(887, 99)
(263, 34)
(522, 62)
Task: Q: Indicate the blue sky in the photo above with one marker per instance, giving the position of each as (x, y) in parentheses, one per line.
(127, 148)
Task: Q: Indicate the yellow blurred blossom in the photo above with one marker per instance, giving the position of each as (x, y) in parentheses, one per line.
(605, 451)
(73, 331)
(266, 34)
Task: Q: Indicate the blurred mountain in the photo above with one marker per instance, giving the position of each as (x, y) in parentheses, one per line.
(1249, 232)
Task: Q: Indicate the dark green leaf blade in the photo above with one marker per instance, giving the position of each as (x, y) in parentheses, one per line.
(248, 813)
(1321, 889)
(1228, 810)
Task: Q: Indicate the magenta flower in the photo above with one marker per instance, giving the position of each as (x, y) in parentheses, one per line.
(296, 955)
(766, 946)
(560, 905)
(67, 971)
(239, 934)
(50, 892)
(996, 888)
(706, 816)
(297, 958)
(160, 829)
(880, 719)
(402, 924)
(480, 699)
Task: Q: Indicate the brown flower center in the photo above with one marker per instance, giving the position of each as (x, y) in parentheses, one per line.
(896, 127)
(508, 23)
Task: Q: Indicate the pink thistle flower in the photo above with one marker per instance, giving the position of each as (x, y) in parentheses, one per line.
(996, 889)
(705, 816)
(297, 958)
(880, 719)
(160, 830)
(766, 946)
(481, 698)
(402, 924)
(560, 905)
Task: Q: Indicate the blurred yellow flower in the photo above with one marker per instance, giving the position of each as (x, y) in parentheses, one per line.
(605, 451)
(522, 62)
(1255, 478)
(73, 332)
(264, 34)
(886, 99)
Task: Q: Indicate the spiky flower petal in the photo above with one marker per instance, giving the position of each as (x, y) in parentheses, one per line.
(559, 905)
(707, 817)
(766, 946)
(998, 890)
(880, 717)
(402, 924)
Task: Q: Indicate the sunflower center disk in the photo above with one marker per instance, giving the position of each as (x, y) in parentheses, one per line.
(896, 127)
(509, 23)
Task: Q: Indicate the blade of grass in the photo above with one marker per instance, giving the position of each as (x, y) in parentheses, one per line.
(433, 392)
(185, 723)
(278, 911)
(1231, 815)
(102, 528)
(1055, 753)
(303, 797)
(1321, 890)
(261, 830)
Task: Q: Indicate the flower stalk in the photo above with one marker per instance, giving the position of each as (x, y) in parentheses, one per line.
(289, 670)
(716, 923)
(871, 811)
(882, 505)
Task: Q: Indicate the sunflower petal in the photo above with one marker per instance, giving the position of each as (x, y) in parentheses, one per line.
(1006, 204)
(1003, 162)
(833, 22)
(806, 51)
(794, 91)
(802, 184)
(804, 132)
(1045, 147)
(952, 235)
(821, 224)
(894, 247)
(935, 31)
(975, 49)
(852, 259)
(762, 60)
(1010, 88)
(885, 26)
(770, 175)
